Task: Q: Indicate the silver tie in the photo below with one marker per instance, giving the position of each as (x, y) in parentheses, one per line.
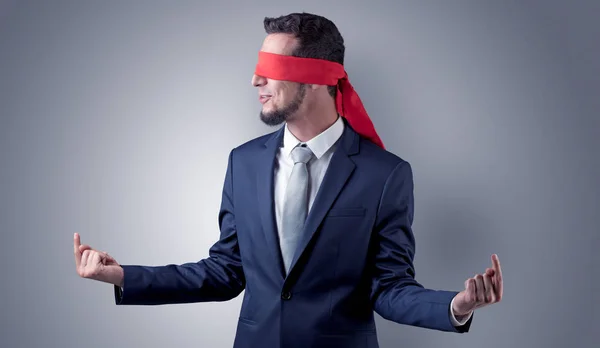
(295, 208)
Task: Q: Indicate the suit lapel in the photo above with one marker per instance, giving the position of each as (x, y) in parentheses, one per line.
(339, 170)
(265, 193)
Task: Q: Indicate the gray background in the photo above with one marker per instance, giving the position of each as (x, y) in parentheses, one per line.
(117, 118)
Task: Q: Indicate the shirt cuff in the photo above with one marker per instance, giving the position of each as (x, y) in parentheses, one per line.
(458, 321)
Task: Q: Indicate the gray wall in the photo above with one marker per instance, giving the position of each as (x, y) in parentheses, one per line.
(117, 118)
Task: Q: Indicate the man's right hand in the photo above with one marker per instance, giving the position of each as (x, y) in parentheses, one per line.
(97, 265)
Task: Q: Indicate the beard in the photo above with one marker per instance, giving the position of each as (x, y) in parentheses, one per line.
(278, 116)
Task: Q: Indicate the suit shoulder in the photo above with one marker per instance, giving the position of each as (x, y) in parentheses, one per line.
(378, 158)
(254, 143)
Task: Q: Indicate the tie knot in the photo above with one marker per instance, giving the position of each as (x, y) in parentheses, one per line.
(301, 154)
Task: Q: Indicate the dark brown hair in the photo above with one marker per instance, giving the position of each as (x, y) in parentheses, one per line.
(318, 37)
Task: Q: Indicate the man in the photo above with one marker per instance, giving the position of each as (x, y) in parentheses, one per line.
(315, 217)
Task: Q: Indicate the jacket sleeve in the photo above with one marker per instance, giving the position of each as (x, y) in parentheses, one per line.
(395, 293)
(219, 277)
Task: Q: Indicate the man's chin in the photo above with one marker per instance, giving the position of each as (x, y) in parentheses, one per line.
(271, 118)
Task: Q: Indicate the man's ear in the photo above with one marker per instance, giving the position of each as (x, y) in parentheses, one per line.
(316, 87)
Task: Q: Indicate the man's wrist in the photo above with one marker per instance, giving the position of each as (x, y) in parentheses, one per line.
(121, 277)
(458, 319)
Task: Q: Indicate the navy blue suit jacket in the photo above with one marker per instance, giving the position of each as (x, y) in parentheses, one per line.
(356, 256)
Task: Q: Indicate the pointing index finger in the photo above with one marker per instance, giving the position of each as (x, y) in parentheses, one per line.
(497, 276)
(496, 264)
(76, 242)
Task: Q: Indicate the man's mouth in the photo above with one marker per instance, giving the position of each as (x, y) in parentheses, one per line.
(263, 98)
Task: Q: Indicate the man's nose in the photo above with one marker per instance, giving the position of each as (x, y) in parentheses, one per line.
(258, 80)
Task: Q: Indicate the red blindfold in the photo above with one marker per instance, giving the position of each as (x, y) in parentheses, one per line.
(321, 72)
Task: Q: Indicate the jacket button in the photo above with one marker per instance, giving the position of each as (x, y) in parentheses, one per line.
(286, 295)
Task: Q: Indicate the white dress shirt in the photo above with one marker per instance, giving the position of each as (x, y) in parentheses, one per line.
(323, 146)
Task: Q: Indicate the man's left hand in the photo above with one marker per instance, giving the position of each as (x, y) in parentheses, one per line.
(480, 291)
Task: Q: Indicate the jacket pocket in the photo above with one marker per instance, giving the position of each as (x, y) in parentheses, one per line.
(246, 321)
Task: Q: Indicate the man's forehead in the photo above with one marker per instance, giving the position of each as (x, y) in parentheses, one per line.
(279, 43)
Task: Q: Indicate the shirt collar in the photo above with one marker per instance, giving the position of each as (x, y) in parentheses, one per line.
(320, 144)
